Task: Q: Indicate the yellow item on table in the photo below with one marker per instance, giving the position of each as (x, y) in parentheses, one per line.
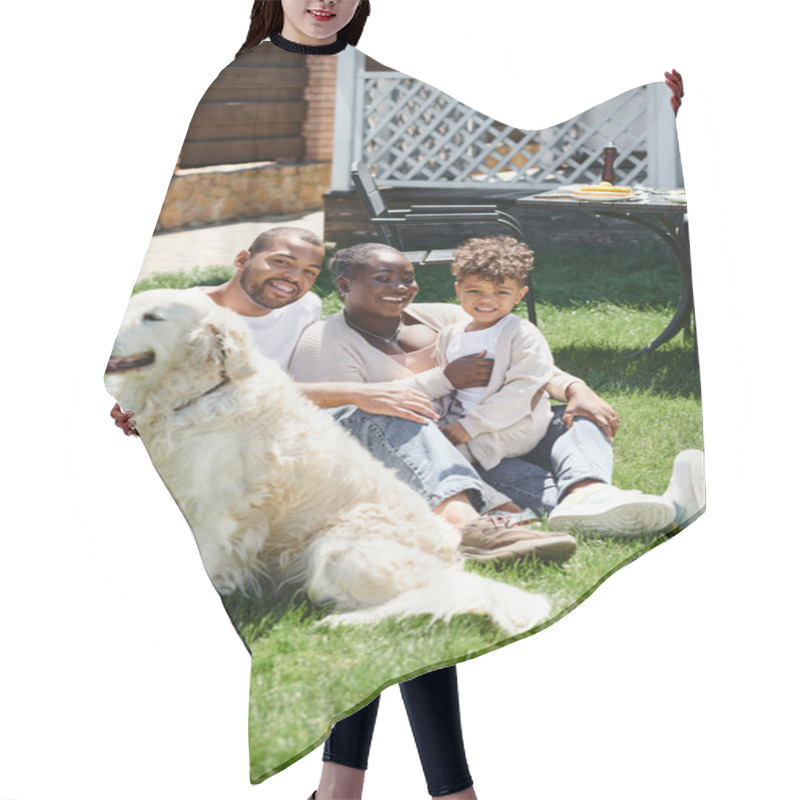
(607, 188)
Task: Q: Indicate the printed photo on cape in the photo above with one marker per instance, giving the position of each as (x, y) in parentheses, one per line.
(598, 198)
(122, 673)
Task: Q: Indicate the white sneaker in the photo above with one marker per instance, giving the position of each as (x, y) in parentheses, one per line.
(607, 511)
(687, 487)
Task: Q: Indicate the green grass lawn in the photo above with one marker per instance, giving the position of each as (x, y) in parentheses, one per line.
(596, 307)
(303, 675)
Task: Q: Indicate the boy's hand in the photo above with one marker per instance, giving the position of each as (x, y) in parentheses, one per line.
(469, 372)
(455, 433)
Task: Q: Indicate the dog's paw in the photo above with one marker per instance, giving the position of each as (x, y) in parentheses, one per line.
(367, 616)
(346, 618)
(331, 621)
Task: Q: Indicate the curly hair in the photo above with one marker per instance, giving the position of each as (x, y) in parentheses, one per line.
(493, 258)
(266, 19)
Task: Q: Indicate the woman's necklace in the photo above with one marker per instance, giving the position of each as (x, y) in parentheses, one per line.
(387, 339)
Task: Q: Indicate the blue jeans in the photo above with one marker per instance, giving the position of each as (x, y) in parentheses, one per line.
(418, 454)
(565, 456)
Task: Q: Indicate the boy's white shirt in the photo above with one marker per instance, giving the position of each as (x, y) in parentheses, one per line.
(513, 414)
(465, 343)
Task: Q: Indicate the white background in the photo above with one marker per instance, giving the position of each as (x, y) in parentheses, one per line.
(122, 677)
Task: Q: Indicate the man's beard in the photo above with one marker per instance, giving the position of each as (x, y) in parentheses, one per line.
(257, 292)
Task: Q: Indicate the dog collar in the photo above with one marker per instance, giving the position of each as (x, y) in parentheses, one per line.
(225, 380)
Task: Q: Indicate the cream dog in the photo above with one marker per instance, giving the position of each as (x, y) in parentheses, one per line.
(274, 489)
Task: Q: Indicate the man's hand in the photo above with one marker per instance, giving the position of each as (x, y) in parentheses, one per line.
(393, 401)
(584, 402)
(124, 420)
(469, 372)
(455, 433)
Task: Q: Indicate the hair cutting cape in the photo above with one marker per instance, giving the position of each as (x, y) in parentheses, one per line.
(274, 138)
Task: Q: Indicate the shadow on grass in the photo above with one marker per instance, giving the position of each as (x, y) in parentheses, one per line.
(667, 372)
(256, 616)
(642, 276)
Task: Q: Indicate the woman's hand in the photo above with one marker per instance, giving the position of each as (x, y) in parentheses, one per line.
(469, 372)
(455, 433)
(124, 420)
(584, 402)
(393, 401)
(675, 83)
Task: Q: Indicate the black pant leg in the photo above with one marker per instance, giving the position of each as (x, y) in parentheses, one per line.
(433, 711)
(351, 738)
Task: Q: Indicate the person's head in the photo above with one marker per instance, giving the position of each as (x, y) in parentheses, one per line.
(306, 21)
(491, 276)
(374, 279)
(279, 268)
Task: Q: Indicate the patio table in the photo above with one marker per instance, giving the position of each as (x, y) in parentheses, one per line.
(650, 209)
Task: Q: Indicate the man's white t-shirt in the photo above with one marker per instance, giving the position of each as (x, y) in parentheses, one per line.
(278, 332)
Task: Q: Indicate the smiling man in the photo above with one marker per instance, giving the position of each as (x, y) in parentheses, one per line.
(271, 288)
(279, 268)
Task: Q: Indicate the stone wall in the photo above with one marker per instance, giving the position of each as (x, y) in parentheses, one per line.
(231, 192)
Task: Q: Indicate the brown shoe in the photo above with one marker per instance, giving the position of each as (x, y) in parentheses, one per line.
(497, 537)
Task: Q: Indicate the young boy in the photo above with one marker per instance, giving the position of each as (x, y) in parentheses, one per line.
(510, 415)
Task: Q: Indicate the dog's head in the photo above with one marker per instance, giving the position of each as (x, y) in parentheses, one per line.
(176, 344)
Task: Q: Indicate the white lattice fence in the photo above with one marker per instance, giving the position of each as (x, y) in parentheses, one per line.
(411, 134)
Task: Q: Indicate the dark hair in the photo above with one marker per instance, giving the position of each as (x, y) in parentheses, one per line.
(495, 258)
(265, 240)
(266, 19)
(346, 263)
